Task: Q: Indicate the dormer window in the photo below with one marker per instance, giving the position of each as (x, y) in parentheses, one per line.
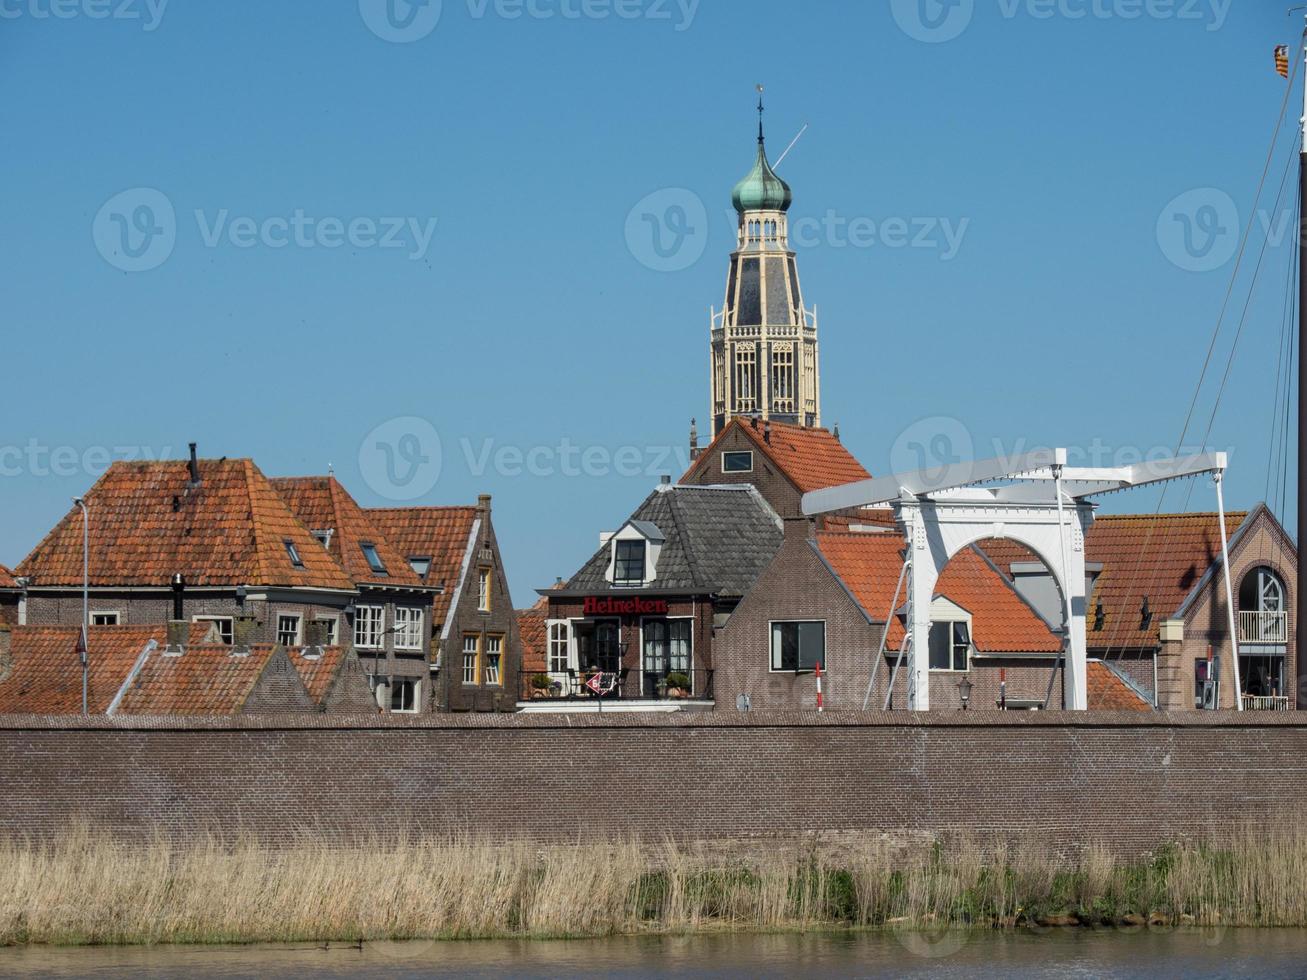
(373, 559)
(420, 565)
(293, 553)
(324, 537)
(628, 567)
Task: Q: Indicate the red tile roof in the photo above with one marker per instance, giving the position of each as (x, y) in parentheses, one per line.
(321, 504)
(1159, 556)
(813, 459)
(531, 628)
(7, 580)
(318, 674)
(1001, 621)
(1108, 692)
(438, 533)
(45, 675)
(147, 524)
(211, 679)
(866, 518)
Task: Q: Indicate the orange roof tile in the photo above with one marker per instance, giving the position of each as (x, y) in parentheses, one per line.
(45, 675)
(813, 459)
(147, 525)
(531, 629)
(1158, 556)
(1108, 692)
(1001, 621)
(865, 518)
(438, 533)
(7, 580)
(322, 504)
(318, 674)
(206, 679)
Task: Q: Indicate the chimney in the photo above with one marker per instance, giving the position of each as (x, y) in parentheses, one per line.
(242, 629)
(665, 480)
(178, 634)
(6, 654)
(178, 596)
(315, 634)
(753, 421)
(483, 505)
(837, 432)
(766, 432)
(193, 468)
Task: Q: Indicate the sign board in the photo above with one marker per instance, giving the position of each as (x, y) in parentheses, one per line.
(634, 606)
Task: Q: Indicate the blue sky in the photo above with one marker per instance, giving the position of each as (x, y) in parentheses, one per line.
(464, 274)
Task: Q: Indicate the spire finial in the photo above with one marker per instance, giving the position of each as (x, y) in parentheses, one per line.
(760, 114)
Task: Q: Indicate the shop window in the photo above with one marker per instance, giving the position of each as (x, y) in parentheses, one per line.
(950, 647)
(798, 646)
(737, 462)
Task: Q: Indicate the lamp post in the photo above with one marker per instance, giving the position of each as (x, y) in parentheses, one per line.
(82, 648)
(964, 689)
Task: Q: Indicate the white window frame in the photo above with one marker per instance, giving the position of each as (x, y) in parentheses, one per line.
(631, 583)
(484, 588)
(475, 652)
(494, 647)
(952, 645)
(408, 629)
(298, 639)
(226, 625)
(558, 638)
(689, 671)
(771, 650)
(105, 613)
(396, 683)
(736, 452)
(375, 638)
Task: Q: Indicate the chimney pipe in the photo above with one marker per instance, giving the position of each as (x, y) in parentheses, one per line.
(178, 593)
(193, 467)
(766, 432)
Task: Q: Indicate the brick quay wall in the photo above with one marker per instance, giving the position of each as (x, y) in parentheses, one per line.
(1046, 778)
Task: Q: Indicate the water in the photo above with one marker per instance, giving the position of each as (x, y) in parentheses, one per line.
(1151, 954)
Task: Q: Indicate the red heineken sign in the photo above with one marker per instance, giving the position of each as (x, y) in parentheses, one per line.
(608, 606)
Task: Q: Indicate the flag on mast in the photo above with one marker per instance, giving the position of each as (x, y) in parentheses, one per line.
(1282, 60)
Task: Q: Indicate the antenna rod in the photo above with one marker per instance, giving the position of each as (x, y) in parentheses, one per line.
(1300, 601)
(790, 147)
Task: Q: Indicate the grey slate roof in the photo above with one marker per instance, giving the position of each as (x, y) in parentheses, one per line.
(718, 540)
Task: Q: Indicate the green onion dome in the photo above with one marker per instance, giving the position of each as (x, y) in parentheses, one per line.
(761, 189)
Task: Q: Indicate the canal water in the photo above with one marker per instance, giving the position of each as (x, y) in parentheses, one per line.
(1111, 953)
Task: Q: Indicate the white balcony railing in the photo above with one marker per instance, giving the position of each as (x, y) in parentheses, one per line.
(1263, 627)
(1255, 702)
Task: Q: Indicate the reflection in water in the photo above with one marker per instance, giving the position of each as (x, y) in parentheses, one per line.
(1145, 953)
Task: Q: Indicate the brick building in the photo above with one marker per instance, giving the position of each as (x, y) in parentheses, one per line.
(643, 611)
(11, 594)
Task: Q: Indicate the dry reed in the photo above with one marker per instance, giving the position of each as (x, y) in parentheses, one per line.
(86, 888)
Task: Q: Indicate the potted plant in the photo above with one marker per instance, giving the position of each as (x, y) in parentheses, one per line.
(678, 685)
(540, 685)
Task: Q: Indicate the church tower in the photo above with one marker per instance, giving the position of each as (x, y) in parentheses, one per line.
(764, 342)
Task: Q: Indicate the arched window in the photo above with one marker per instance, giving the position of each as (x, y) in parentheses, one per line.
(1263, 607)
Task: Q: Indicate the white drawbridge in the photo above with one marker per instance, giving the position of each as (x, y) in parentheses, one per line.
(1041, 503)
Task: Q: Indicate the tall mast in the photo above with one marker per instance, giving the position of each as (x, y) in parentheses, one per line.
(1300, 612)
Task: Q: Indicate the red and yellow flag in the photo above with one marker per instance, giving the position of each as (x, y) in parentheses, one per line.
(1282, 60)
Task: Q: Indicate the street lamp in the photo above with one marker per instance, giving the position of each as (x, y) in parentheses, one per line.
(82, 647)
(964, 689)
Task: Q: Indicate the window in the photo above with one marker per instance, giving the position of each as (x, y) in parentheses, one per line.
(737, 462)
(288, 631)
(494, 658)
(404, 695)
(293, 553)
(782, 378)
(628, 567)
(408, 628)
(798, 646)
(374, 560)
(224, 623)
(420, 565)
(369, 627)
(471, 652)
(560, 654)
(328, 628)
(950, 647)
(104, 619)
(324, 538)
(483, 590)
(666, 651)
